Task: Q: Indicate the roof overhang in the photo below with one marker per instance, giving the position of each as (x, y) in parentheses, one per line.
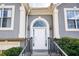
(40, 11)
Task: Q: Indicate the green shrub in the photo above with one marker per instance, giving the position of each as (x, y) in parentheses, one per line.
(2, 54)
(69, 45)
(15, 51)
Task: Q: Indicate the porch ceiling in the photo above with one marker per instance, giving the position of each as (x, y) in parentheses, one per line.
(39, 8)
(39, 5)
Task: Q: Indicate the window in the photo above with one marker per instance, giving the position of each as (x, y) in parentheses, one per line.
(39, 23)
(72, 19)
(6, 17)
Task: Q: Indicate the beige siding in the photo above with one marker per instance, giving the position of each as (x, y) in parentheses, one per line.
(9, 44)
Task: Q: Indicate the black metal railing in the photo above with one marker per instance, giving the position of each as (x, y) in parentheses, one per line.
(55, 48)
(27, 50)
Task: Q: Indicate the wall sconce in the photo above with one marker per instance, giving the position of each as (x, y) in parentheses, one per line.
(50, 28)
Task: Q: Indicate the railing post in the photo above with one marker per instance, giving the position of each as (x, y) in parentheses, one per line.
(49, 47)
(31, 45)
(27, 49)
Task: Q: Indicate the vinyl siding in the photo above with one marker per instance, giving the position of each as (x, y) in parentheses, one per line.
(61, 18)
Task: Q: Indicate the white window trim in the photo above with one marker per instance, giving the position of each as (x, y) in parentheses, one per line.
(65, 16)
(12, 19)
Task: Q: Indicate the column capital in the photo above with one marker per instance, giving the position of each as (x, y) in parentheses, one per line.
(22, 7)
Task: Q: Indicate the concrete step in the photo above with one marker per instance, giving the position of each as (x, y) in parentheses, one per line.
(40, 53)
(44, 54)
(54, 54)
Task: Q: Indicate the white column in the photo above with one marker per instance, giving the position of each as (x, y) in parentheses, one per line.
(22, 22)
(56, 23)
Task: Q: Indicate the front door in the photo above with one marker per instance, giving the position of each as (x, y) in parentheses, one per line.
(40, 39)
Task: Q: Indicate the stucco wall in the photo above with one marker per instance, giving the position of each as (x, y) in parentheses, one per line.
(9, 44)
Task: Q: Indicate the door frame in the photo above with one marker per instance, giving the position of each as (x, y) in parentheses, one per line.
(32, 23)
(46, 41)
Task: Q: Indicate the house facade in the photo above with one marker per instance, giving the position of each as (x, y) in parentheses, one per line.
(19, 22)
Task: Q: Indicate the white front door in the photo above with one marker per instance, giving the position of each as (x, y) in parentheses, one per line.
(39, 39)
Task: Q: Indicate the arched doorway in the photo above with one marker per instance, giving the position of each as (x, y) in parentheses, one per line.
(39, 31)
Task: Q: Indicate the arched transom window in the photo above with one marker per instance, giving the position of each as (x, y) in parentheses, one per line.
(39, 23)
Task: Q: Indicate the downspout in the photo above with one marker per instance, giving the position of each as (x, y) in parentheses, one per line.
(27, 25)
(52, 20)
(25, 31)
(26, 28)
